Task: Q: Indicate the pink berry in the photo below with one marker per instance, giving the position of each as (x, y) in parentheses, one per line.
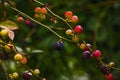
(68, 14)
(96, 54)
(109, 77)
(27, 22)
(74, 19)
(68, 32)
(78, 29)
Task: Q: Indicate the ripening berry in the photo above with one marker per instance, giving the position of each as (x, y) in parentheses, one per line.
(23, 60)
(17, 57)
(37, 16)
(88, 47)
(15, 75)
(20, 19)
(27, 75)
(68, 32)
(37, 71)
(38, 10)
(86, 55)
(68, 14)
(59, 45)
(44, 10)
(74, 19)
(111, 64)
(75, 39)
(82, 46)
(109, 77)
(27, 22)
(4, 34)
(96, 54)
(78, 29)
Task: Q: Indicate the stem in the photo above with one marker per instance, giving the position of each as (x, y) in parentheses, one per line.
(55, 14)
(23, 14)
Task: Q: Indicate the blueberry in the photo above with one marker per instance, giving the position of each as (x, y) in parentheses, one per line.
(59, 45)
(86, 54)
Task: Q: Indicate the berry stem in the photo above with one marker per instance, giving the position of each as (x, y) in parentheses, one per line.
(23, 14)
(55, 14)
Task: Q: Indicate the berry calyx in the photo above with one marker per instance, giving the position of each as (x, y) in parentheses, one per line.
(15, 75)
(17, 57)
(96, 54)
(78, 29)
(109, 76)
(74, 19)
(68, 14)
(27, 75)
(86, 55)
(59, 45)
(68, 32)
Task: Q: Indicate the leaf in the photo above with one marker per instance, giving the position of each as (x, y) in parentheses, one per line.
(36, 51)
(9, 24)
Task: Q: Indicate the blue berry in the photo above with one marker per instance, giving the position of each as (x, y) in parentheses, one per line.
(59, 45)
(27, 75)
(86, 55)
(103, 69)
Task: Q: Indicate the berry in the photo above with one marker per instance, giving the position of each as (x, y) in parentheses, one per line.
(27, 75)
(103, 69)
(44, 10)
(43, 79)
(17, 57)
(68, 32)
(68, 14)
(88, 47)
(86, 54)
(20, 19)
(7, 48)
(59, 45)
(37, 71)
(74, 19)
(38, 10)
(23, 60)
(75, 39)
(27, 22)
(111, 64)
(109, 77)
(82, 46)
(78, 29)
(96, 54)
(15, 75)
(5, 56)
(4, 34)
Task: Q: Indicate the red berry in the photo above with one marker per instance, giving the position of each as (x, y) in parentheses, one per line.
(37, 10)
(23, 60)
(109, 76)
(44, 10)
(78, 29)
(89, 46)
(74, 19)
(97, 54)
(68, 14)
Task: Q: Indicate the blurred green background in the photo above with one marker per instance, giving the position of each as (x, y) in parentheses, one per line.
(101, 22)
